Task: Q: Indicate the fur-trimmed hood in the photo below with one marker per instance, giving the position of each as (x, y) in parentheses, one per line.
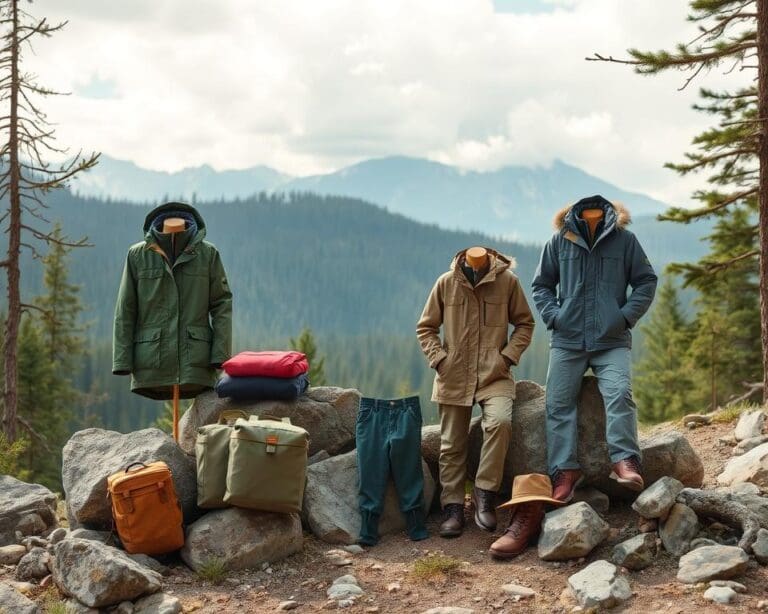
(623, 217)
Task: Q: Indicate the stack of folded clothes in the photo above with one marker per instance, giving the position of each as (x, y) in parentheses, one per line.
(264, 376)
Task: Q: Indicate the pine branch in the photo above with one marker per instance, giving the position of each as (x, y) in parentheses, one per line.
(678, 214)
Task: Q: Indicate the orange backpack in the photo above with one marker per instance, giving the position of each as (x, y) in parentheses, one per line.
(146, 510)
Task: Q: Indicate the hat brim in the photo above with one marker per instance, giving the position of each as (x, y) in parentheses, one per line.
(529, 498)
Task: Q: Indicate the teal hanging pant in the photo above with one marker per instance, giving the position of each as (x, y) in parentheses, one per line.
(389, 445)
(566, 370)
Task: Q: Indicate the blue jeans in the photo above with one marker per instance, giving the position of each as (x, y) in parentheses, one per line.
(566, 370)
(389, 445)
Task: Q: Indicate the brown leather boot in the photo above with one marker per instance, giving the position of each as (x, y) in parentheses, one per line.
(485, 508)
(627, 473)
(453, 520)
(523, 528)
(564, 482)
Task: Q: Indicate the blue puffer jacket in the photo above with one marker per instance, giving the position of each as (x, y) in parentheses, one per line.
(581, 293)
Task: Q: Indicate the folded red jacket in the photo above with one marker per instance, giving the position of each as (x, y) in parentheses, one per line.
(267, 364)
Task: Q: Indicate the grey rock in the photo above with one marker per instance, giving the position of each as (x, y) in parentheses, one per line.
(597, 500)
(105, 537)
(11, 555)
(329, 415)
(98, 575)
(14, 602)
(126, 607)
(26, 508)
(344, 587)
(745, 445)
(430, 449)
(150, 563)
(750, 425)
(57, 535)
(73, 606)
(600, 585)
(737, 586)
(656, 500)
(667, 453)
(679, 529)
(90, 456)
(31, 524)
(712, 563)
(697, 418)
(720, 594)
(636, 553)
(33, 565)
(760, 547)
(571, 532)
(516, 590)
(286, 606)
(242, 539)
(34, 542)
(316, 458)
(742, 489)
(331, 508)
(749, 467)
(159, 603)
(700, 542)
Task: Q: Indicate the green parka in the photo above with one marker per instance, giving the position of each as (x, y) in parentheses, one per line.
(173, 319)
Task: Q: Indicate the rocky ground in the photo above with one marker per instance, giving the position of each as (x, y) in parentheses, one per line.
(386, 572)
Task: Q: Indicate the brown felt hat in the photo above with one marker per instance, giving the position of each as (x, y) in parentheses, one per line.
(531, 487)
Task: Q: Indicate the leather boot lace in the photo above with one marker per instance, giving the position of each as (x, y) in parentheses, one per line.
(520, 521)
(633, 463)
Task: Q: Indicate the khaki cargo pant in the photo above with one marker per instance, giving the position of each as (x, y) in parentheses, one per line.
(454, 434)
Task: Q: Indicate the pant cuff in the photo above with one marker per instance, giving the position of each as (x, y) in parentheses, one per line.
(369, 529)
(620, 456)
(414, 522)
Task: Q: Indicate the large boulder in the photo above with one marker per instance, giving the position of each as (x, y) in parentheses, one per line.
(749, 467)
(668, 453)
(656, 500)
(331, 509)
(90, 456)
(27, 508)
(13, 602)
(241, 539)
(327, 413)
(750, 425)
(98, 575)
(571, 532)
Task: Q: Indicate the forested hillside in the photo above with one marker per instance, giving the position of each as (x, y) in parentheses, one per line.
(354, 273)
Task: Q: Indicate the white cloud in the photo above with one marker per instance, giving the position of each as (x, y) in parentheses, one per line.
(311, 86)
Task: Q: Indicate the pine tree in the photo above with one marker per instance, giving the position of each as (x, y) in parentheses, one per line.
(25, 176)
(664, 383)
(735, 151)
(306, 344)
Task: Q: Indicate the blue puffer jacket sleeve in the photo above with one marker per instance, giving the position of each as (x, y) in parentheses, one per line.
(641, 278)
(545, 281)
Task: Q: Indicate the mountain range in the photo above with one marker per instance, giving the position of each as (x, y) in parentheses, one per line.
(512, 203)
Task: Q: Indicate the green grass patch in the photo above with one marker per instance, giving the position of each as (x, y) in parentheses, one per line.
(726, 415)
(434, 566)
(213, 570)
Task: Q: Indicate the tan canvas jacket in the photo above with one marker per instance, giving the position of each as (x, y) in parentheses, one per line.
(475, 323)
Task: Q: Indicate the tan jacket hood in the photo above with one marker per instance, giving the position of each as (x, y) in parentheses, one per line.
(499, 262)
(623, 216)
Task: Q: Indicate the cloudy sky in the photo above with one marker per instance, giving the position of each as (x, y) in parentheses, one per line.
(309, 86)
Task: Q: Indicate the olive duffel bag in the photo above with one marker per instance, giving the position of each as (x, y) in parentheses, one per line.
(212, 455)
(267, 465)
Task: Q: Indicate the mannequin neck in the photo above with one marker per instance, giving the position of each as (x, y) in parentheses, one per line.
(477, 258)
(173, 225)
(592, 217)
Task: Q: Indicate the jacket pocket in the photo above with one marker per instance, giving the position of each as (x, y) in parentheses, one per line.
(569, 320)
(611, 322)
(199, 346)
(494, 311)
(571, 273)
(453, 318)
(611, 270)
(146, 348)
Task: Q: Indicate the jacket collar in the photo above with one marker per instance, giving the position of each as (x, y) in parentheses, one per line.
(567, 219)
(173, 209)
(498, 264)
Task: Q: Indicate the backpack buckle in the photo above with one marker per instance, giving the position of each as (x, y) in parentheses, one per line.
(271, 444)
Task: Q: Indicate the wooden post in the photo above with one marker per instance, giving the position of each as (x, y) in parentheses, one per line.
(176, 412)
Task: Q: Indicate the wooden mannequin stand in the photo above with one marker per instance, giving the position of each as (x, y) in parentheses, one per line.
(172, 226)
(477, 257)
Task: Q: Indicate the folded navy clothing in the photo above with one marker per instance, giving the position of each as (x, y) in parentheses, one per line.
(262, 388)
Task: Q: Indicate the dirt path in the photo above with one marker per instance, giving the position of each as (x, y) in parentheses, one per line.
(476, 584)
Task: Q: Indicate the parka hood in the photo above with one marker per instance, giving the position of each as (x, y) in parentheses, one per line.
(623, 217)
(173, 209)
(499, 262)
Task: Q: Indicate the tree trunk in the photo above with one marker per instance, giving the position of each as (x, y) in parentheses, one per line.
(10, 396)
(762, 113)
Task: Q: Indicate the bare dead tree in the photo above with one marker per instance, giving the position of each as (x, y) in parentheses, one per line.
(26, 175)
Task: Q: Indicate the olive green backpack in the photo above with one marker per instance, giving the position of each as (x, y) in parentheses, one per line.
(267, 465)
(212, 452)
